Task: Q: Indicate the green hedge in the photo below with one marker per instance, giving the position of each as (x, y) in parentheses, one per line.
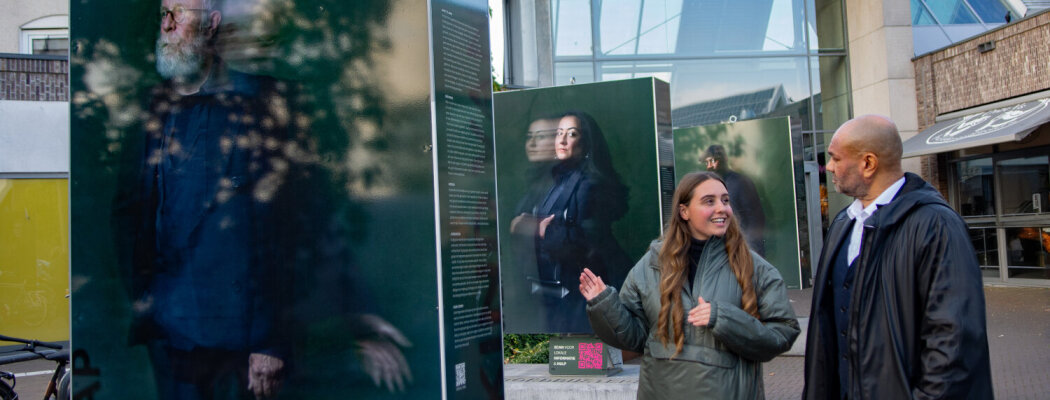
(526, 348)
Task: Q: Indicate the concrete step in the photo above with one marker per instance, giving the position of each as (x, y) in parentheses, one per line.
(532, 381)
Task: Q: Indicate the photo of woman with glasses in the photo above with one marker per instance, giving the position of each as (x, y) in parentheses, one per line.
(570, 226)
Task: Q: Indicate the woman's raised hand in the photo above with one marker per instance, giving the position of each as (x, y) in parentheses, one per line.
(590, 284)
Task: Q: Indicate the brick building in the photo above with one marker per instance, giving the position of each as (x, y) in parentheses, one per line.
(982, 107)
(34, 77)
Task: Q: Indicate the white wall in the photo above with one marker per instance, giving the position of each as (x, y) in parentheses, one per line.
(34, 136)
(16, 13)
(881, 73)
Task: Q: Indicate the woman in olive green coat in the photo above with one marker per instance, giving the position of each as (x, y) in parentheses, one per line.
(704, 310)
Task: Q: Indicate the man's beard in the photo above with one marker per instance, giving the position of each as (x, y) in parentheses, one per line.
(177, 58)
(854, 188)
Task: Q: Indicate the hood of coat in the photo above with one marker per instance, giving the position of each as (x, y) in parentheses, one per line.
(914, 194)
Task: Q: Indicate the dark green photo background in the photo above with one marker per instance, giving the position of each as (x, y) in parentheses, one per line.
(625, 112)
(761, 150)
(361, 73)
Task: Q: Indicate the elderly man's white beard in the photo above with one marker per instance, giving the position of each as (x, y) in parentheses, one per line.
(180, 58)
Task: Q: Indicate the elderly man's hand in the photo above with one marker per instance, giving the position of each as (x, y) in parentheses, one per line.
(381, 354)
(264, 375)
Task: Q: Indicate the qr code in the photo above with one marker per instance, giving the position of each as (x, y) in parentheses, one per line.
(461, 375)
(590, 356)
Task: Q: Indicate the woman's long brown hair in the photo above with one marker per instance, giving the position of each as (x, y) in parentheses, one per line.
(674, 263)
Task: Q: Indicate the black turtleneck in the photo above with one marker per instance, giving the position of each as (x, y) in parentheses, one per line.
(696, 248)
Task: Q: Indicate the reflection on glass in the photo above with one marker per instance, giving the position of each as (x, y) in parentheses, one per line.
(831, 89)
(659, 29)
(713, 27)
(620, 27)
(626, 70)
(990, 10)
(826, 17)
(572, 27)
(785, 27)
(1027, 249)
(975, 187)
(936, 24)
(985, 244)
(1029, 184)
(567, 73)
(920, 15)
(952, 12)
(723, 28)
(712, 91)
(654, 31)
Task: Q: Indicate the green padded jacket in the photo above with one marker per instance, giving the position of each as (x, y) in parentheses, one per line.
(720, 361)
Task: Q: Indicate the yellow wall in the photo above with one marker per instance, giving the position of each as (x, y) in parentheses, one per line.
(34, 258)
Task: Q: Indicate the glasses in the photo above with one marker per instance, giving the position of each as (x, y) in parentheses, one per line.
(179, 13)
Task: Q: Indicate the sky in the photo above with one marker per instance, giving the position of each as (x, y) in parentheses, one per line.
(496, 38)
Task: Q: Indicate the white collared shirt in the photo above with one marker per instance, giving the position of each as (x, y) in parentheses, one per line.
(859, 213)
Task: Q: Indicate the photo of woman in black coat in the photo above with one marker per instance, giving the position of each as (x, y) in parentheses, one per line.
(570, 226)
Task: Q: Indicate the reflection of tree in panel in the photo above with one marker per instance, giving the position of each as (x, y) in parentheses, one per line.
(329, 97)
(696, 144)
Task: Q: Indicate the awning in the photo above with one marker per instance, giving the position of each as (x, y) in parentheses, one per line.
(979, 129)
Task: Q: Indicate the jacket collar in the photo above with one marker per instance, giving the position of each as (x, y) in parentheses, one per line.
(914, 194)
(715, 244)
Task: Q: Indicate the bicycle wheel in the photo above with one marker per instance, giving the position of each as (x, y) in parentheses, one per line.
(64, 391)
(6, 392)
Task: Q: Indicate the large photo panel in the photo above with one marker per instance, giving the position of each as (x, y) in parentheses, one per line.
(255, 200)
(754, 157)
(579, 186)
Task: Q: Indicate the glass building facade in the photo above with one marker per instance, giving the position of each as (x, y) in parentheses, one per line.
(940, 23)
(725, 60)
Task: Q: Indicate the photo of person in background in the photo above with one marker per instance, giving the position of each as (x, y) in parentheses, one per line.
(742, 194)
(569, 227)
(204, 219)
(704, 310)
(539, 150)
(214, 220)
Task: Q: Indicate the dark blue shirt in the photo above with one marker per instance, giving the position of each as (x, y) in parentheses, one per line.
(216, 241)
(181, 177)
(842, 286)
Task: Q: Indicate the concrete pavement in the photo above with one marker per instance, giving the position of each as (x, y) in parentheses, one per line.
(1018, 339)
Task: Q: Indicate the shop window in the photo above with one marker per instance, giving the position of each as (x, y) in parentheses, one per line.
(975, 187)
(1028, 252)
(985, 243)
(1029, 185)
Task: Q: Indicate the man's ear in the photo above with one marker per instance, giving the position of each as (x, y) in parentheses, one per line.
(214, 17)
(869, 164)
